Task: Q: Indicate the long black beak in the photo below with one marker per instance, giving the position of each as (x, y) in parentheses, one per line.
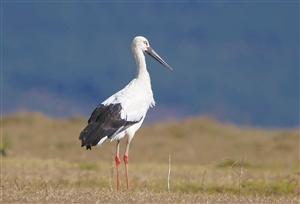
(153, 54)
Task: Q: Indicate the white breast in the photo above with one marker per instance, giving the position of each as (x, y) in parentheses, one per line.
(136, 98)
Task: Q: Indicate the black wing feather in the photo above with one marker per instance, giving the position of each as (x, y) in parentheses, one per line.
(104, 121)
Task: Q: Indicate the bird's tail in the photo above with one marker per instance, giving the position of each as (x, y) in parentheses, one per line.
(92, 135)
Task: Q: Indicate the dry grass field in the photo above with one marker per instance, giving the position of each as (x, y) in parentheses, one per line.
(211, 162)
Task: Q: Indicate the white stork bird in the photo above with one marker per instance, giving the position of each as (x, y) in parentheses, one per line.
(123, 113)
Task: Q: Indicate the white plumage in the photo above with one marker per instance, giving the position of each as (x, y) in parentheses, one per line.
(136, 98)
(124, 112)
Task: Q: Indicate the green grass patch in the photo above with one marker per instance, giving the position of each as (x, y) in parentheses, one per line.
(274, 188)
(246, 188)
(87, 166)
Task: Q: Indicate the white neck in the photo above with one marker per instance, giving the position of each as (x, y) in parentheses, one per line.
(142, 75)
(140, 61)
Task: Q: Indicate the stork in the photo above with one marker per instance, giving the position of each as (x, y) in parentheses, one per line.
(123, 113)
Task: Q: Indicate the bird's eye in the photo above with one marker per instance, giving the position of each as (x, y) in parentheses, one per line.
(146, 43)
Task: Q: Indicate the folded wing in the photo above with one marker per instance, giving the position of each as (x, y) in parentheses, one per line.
(104, 123)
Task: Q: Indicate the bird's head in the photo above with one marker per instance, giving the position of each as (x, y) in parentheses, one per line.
(141, 43)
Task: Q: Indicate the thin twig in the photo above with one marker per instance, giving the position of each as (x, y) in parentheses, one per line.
(169, 173)
(17, 184)
(241, 163)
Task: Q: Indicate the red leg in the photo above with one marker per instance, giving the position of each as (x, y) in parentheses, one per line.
(117, 161)
(126, 169)
(126, 159)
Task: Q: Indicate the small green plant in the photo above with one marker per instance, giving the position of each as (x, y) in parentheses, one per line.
(4, 145)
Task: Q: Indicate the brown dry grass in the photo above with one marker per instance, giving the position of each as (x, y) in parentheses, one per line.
(211, 162)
